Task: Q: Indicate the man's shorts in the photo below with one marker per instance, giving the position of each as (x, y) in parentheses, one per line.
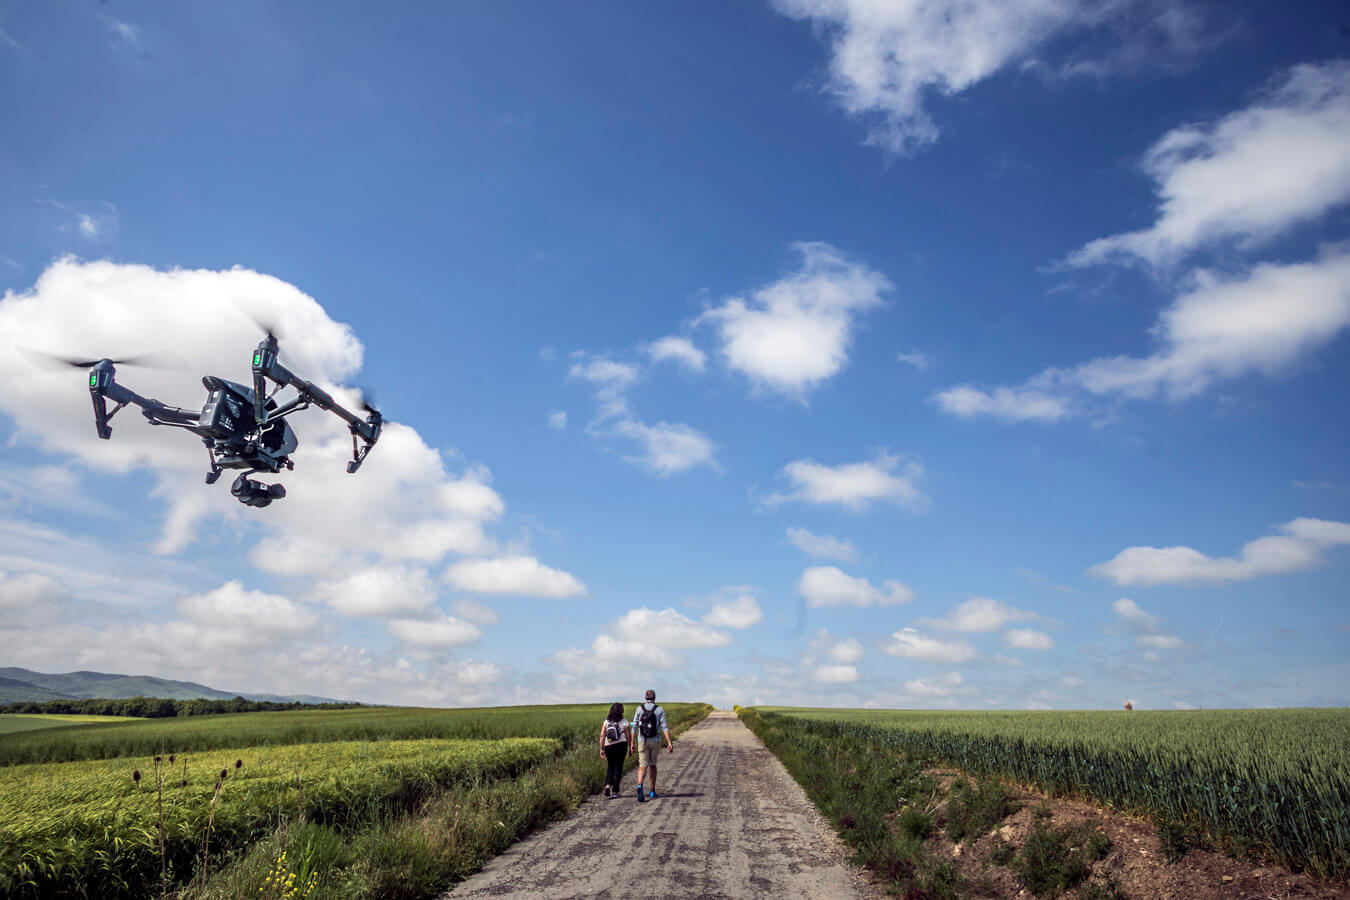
(648, 751)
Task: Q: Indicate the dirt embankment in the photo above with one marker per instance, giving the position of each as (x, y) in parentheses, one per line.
(1136, 859)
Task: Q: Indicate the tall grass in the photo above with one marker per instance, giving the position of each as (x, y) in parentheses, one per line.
(1264, 782)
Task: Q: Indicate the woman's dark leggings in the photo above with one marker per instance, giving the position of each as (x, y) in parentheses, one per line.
(615, 754)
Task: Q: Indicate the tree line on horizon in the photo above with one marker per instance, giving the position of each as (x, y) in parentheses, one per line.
(159, 708)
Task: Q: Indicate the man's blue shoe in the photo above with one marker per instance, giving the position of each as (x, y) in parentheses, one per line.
(651, 795)
(641, 798)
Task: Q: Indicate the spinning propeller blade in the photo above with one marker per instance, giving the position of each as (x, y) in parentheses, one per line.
(143, 360)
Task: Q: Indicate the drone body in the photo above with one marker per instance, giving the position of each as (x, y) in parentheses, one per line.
(242, 427)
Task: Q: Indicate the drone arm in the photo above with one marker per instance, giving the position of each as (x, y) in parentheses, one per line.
(103, 386)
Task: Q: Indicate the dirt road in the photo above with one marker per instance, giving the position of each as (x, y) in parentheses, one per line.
(729, 822)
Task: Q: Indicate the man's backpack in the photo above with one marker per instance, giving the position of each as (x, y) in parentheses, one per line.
(647, 723)
(612, 733)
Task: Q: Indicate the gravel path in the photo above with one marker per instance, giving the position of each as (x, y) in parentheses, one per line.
(729, 822)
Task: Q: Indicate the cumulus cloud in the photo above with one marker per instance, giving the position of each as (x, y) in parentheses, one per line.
(1159, 641)
(822, 545)
(473, 611)
(1019, 404)
(30, 591)
(829, 586)
(1300, 545)
(979, 614)
(1131, 612)
(677, 350)
(854, 486)
(916, 359)
(1028, 639)
(835, 674)
(793, 334)
(668, 628)
(909, 643)
(944, 684)
(667, 447)
(521, 575)
(403, 505)
(739, 611)
(608, 653)
(1247, 176)
(379, 591)
(557, 420)
(232, 607)
(889, 60)
(440, 633)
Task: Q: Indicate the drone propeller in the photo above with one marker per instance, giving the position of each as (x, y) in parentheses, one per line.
(264, 324)
(143, 360)
(367, 399)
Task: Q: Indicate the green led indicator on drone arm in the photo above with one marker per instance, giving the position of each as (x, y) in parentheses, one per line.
(93, 380)
(257, 359)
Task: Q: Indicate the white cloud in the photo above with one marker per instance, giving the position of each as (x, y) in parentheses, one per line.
(668, 447)
(829, 586)
(30, 589)
(793, 334)
(610, 379)
(916, 359)
(473, 611)
(1028, 639)
(613, 654)
(1021, 404)
(835, 674)
(911, 644)
(979, 614)
(125, 30)
(854, 486)
(523, 575)
(380, 591)
(944, 684)
(1072, 682)
(1299, 547)
(444, 632)
(1159, 641)
(1250, 175)
(822, 545)
(557, 419)
(1130, 611)
(848, 650)
(678, 350)
(888, 60)
(667, 628)
(1223, 326)
(402, 505)
(1003, 660)
(231, 607)
(742, 611)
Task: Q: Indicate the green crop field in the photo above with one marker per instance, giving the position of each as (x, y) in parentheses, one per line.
(79, 824)
(12, 722)
(192, 733)
(1272, 782)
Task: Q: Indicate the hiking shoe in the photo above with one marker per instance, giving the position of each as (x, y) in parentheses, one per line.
(606, 790)
(641, 798)
(651, 795)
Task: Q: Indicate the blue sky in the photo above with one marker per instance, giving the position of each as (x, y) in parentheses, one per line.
(811, 352)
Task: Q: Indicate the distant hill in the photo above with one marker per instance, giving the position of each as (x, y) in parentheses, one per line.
(20, 685)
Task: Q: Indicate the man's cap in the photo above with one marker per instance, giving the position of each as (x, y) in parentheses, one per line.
(651, 695)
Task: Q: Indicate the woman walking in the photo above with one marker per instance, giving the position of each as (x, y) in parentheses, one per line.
(614, 737)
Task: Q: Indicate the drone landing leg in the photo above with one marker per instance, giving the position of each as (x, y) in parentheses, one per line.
(214, 474)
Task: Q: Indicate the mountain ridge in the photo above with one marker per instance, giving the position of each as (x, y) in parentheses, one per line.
(19, 685)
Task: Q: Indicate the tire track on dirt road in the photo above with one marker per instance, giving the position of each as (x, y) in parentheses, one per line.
(729, 822)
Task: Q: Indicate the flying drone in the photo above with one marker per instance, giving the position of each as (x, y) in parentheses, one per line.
(242, 427)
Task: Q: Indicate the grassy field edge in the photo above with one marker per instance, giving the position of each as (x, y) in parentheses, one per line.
(423, 854)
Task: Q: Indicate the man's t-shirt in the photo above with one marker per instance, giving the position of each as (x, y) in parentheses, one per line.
(660, 722)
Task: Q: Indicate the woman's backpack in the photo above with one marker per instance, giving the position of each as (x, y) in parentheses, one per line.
(613, 734)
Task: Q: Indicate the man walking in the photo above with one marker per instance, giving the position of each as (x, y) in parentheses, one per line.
(650, 724)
